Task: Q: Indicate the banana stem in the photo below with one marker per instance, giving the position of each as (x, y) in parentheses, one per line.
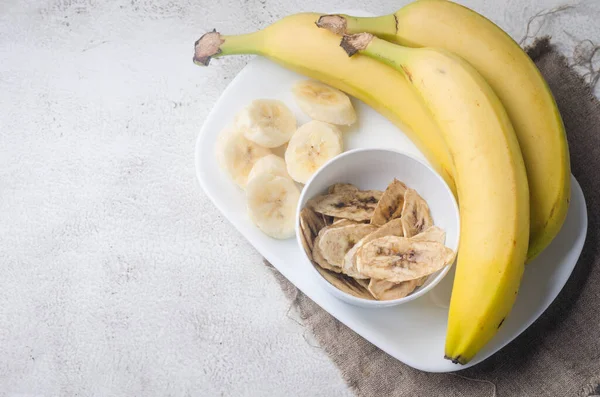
(214, 45)
(383, 27)
(381, 50)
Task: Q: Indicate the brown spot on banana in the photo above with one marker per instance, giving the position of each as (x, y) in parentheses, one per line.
(407, 73)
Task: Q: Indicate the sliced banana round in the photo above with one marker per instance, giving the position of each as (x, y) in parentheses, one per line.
(270, 164)
(324, 103)
(311, 146)
(237, 155)
(267, 122)
(272, 201)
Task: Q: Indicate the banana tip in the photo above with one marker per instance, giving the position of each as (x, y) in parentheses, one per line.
(352, 43)
(456, 360)
(334, 23)
(206, 47)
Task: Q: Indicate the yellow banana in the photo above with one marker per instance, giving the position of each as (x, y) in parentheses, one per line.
(491, 181)
(514, 78)
(296, 43)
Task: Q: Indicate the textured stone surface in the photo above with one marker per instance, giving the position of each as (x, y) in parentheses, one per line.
(119, 277)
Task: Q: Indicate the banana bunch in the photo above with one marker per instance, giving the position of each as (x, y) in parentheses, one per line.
(475, 105)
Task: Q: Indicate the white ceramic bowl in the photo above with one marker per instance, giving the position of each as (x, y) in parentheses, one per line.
(375, 169)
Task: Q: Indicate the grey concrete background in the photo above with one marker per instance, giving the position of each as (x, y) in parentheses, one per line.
(118, 276)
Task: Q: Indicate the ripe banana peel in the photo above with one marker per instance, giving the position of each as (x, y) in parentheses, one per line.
(491, 180)
(514, 78)
(298, 44)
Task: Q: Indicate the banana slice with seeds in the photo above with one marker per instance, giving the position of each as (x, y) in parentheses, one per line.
(311, 146)
(336, 241)
(267, 122)
(415, 214)
(392, 228)
(324, 103)
(398, 259)
(237, 155)
(357, 206)
(272, 204)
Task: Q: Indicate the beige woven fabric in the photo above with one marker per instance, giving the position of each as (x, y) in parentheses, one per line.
(559, 355)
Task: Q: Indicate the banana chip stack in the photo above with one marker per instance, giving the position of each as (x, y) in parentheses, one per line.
(373, 244)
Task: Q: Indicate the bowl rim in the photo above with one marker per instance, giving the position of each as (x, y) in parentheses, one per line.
(351, 298)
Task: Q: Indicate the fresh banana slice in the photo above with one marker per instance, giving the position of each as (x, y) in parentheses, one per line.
(237, 155)
(324, 103)
(392, 228)
(391, 203)
(357, 206)
(267, 122)
(272, 204)
(311, 146)
(415, 214)
(270, 164)
(398, 259)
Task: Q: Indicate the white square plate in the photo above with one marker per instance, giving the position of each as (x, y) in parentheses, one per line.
(414, 333)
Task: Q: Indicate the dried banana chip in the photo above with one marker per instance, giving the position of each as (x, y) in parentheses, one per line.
(392, 228)
(415, 214)
(328, 219)
(357, 206)
(335, 242)
(363, 282)
(433, 233)
(385, 290)
(319, 259)
(307, 248)
(342, 187)
(391, 203)
(345, 284)
(343, 222)
(311, 224)
(398, 259)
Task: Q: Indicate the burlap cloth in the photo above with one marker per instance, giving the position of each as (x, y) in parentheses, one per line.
(559, 355)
